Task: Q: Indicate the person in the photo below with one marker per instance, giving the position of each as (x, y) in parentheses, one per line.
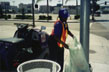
(56, 41)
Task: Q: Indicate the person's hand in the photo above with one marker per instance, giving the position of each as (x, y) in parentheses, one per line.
(66, 46)
(73, 36)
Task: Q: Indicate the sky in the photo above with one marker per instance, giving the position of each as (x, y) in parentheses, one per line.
(43, 2)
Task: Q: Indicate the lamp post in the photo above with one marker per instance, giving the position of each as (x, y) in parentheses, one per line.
(33, 1)
(47, 10)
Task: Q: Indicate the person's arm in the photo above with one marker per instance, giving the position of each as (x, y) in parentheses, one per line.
(57, 33)
(65, 45)
(70, 34)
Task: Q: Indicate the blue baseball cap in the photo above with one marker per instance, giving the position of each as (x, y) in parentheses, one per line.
(63, 12)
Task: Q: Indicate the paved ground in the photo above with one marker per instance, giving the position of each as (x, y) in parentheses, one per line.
(100, 30)
(99, 45)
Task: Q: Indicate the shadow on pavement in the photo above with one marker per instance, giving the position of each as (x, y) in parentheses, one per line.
(92, 51)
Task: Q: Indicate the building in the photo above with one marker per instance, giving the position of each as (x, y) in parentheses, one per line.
(71, 9)
(56, 9)
(5, 6)
(14, 9)
(27, 8)
(43, 9)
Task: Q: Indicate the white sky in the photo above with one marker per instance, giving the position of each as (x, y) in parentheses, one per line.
(52, 3)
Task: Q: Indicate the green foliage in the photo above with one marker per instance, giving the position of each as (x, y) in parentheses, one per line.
(6, 16)
(23, 17)
(76, 16)
(43, 17)
(28, 17)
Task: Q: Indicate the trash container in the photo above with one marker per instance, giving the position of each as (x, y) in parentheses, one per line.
(8, 49)
(39, 65)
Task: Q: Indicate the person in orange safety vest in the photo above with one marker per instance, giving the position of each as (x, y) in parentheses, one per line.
(56, 41)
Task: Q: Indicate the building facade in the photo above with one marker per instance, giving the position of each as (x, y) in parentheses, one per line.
(27, 8)
(14, 9)
(5, 6)
(43, 9)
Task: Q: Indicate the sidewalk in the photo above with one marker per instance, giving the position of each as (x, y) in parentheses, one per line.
(100, 58)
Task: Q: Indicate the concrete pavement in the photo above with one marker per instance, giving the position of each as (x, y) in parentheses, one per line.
(99, 46)
(100, 57)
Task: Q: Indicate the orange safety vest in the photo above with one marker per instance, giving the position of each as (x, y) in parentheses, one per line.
(63, 35)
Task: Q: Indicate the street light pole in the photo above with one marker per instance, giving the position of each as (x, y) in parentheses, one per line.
(33, 13)
(84, 26)
(47, 10)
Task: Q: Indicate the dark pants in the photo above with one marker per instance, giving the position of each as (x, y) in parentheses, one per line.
(56, 53)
